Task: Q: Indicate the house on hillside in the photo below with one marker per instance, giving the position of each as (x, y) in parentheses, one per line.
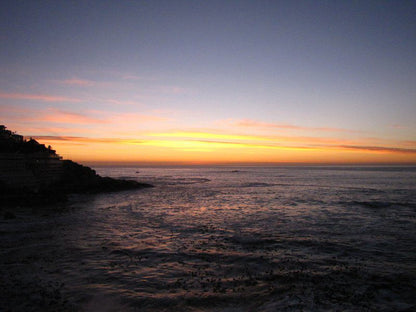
(27, 164)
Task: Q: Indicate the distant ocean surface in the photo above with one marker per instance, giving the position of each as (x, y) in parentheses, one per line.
(221, 239)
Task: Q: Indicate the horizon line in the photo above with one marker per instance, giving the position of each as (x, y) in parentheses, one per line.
(241, 164)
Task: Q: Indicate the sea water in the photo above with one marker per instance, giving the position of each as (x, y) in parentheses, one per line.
(221, 239)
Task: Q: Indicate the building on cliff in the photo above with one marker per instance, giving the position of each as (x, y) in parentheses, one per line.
(26, 163)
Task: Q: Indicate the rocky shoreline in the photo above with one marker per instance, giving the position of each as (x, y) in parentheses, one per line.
(76, 179)
(33, 174)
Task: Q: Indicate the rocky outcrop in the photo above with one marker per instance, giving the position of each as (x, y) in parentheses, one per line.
(81, 179)
(31, 173)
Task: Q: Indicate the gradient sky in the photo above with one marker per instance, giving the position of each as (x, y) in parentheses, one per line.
(212, 81)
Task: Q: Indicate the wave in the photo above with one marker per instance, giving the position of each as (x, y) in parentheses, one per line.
(257, 184)
(127, 177)
(184, 181)
(378, 204)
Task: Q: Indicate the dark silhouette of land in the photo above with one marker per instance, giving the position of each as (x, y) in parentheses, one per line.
(31, 174)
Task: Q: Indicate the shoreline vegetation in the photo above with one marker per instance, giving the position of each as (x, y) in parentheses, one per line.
(33, 174)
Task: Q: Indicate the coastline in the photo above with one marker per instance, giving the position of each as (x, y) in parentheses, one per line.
(32, 174)
(75, 179)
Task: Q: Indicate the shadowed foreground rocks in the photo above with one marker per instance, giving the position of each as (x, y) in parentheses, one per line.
(82, 179)
(76, 179)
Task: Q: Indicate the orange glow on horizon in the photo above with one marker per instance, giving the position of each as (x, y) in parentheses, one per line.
(196, 148)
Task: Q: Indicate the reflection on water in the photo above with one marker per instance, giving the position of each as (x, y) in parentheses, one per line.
(221, 239)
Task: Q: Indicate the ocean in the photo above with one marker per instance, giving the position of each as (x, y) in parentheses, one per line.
(220, 239)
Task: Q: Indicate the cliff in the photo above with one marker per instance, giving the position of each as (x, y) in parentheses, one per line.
(31, 173)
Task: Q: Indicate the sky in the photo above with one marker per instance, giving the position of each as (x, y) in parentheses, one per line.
(212, 82)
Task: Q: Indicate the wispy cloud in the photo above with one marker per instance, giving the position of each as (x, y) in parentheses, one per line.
(397, 126)
(207, 142)
(134, 77)
(173, 90)
(49, 115)
(27, 128)
(207, 135)
(278, 142)
(123, 102)
(410, 143)
(250, 123)
(61, 116)
(76, 139)
(104, 117)
(134, 118)
(56, 116)
(383, 149)
(256, 145)
(85, 139)
(37, 97)
(215, 135)
(259, 124)
(78, 82)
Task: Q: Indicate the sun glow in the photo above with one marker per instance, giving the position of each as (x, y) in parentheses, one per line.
(210, 148)
(205, 135)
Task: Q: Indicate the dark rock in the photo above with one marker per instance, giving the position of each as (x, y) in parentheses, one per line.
(70, 178)
(9, 215)
(81, 179)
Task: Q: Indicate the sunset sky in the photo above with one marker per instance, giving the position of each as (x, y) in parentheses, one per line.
(212, 81)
